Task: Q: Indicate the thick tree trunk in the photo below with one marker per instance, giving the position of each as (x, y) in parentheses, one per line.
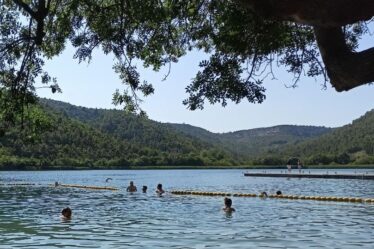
(327, 13)
(345, 68)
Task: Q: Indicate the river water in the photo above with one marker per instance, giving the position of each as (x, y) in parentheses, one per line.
(30, 215)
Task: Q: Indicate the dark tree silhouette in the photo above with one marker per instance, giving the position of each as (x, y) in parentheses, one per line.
(245, 38)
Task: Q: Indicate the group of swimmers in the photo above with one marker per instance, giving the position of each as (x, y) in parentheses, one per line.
(264, 194)
(132, 188)
(228, 202)
(66, 212)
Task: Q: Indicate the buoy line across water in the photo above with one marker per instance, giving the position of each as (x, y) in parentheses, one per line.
(62, 185)
(86, 187)
(183, 192)
(17, 184)
(291, 197)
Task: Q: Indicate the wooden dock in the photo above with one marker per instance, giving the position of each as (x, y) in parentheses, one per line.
(305, 175)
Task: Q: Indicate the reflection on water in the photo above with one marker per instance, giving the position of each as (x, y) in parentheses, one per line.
(30, 215)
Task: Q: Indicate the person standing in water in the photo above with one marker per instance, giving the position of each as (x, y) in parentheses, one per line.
(159, 189)
(289, 168)
(299, 166)
(144, 189)
(228, 203)
(131, 188)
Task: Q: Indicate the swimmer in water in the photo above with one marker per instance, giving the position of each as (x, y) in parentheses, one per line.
(228, 203)
(159, 189)
(66, 213)
(132, 188)
(144, 189)
(264, 195)
(279, 192)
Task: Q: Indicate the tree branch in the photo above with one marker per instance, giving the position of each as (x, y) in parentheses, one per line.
(327, 13)
(346, 69)
(39, 16)
(25, 7)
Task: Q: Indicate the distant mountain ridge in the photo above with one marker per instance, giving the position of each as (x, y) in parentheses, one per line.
(242, 145)
(100, 138)
(252, 146)
(249, 143)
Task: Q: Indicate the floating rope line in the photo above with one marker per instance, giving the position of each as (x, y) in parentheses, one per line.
(293, 197)
(17, 184)
(62, 185)
(86, 187)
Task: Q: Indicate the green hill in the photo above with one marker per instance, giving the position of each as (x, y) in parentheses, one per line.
(350, 144)
(83, 137)
(182, 138)
(247, 144)
(142, 132)
(69, 143)
(98, 138)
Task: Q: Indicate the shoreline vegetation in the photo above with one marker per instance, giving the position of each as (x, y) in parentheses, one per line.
(166, 167)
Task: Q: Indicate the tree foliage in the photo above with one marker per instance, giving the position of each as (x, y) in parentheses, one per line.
(245, 40)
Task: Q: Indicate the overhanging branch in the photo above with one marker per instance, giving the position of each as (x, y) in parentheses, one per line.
(39, 16)
(327, 13)
(26, 8)
(345, 68)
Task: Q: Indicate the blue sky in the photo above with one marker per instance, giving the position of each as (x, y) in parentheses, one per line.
(92, 85)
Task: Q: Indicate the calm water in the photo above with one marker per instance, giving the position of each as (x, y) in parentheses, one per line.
(29, 215)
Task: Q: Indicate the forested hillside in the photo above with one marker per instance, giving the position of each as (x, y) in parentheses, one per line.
(69, 143)
(248, 144)
(242, 145)
(350, 144)
(83, 137)
(131, 128)
(143, 132)
(80, 137)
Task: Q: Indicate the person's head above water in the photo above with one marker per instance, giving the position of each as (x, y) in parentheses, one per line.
(66, 213)
(279, 192)
(228, 202)
(159, 189)
(131, 183)
(144, 189)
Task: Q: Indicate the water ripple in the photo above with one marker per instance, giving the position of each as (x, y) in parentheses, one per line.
(29, 215)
